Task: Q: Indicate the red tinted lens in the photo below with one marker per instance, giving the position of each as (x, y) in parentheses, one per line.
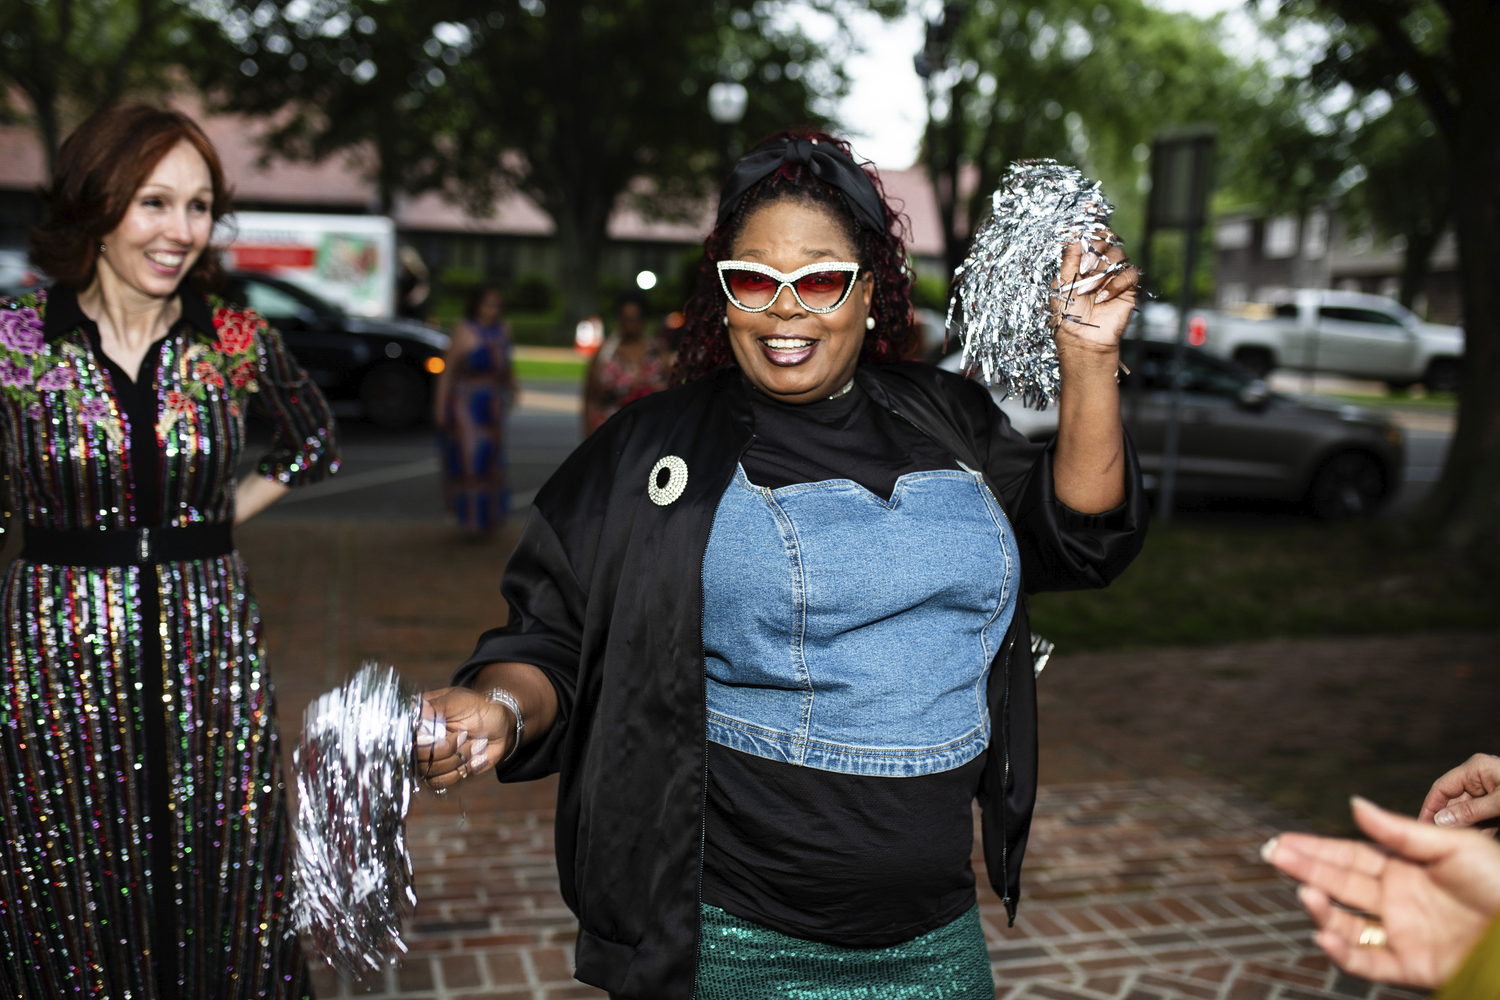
(750, 288)
(823, 289)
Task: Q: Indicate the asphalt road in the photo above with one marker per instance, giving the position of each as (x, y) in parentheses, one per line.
(393, 475)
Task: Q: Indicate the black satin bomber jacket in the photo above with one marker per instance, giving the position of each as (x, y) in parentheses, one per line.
(606, 598)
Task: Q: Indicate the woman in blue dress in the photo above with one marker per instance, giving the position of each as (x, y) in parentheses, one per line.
(475, 392)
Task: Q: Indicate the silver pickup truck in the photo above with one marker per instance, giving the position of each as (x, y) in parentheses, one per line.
(1345, 333)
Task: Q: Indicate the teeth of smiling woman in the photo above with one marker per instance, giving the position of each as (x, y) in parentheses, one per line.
(785, 344)
(165, 258)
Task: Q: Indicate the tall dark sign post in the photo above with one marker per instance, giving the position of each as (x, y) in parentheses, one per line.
(1182, 164)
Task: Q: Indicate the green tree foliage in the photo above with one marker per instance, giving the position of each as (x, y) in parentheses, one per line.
(1407, 188)
(1443, 54)
(71, 57)
(580, 105)
(330, 77)
(1091, 82)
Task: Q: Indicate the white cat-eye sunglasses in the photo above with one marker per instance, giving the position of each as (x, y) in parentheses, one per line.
(819, 288)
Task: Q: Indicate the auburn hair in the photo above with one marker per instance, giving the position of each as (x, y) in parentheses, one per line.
(99, 169)
(705, 342)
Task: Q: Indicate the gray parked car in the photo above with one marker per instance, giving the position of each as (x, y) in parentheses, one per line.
(1239, 440)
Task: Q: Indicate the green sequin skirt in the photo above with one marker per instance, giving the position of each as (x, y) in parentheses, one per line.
(740, 960)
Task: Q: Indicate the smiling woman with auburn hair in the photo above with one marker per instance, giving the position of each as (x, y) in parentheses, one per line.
(770, 625)
(144, 835)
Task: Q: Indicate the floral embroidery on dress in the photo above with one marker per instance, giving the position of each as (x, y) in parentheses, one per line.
(229, 363)
(29, 368)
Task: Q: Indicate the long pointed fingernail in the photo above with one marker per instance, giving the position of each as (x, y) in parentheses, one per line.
(477, 745)
(463, 737)
(1445, 817)
(476, 762)
(1268, 848)
(1103, 294)
(424, 738)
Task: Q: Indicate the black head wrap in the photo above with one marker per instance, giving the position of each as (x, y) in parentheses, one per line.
(826, 162)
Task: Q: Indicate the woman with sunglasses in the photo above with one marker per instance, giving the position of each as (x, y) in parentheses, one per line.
(769, 625)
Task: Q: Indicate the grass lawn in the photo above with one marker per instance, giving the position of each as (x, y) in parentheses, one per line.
(1438, 402)
(561, 371)
(1200, 584)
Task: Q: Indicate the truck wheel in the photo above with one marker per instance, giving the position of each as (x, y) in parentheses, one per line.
(1349, 484)
(1444, 375)
(1256, 360)
(394, 395)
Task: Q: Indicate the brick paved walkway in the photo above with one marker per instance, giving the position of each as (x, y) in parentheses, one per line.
(1137, 890)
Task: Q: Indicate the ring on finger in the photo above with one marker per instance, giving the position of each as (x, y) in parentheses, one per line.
(463, 769)
(1373, 936)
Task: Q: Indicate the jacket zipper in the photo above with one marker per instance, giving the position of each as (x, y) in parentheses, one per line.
(1010, 906)
(703, 799)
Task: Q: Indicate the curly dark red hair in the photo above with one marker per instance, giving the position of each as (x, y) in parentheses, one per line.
(705, 342)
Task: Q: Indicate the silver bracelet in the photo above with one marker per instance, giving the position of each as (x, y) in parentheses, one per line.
(500, 696)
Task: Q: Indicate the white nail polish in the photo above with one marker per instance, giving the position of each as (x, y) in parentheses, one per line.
(476, 762)
(1103, 294)
(1445, 817)
(1267, 849)
(463, 737)
(425, 739)
(477, 746)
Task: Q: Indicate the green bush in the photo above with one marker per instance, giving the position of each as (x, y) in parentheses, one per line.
(531, 293)
(928, 292)
(460, 281)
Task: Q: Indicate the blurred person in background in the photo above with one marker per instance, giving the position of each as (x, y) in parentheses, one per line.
(769, 624)
(628, 365)
(475, 392)
(145, 838)
(413, 284)
(1422, 907)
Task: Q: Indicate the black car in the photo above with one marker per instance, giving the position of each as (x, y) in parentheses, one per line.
(1237, 440)
(389, 365)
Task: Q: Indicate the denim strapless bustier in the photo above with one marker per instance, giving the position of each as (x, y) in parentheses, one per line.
(851, 634)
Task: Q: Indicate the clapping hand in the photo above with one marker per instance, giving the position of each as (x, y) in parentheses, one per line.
(1429, 894)
(1468, 795)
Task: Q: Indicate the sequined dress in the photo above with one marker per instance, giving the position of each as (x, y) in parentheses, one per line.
(91, 903)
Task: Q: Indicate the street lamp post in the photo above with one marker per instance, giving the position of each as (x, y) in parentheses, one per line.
(727, 101)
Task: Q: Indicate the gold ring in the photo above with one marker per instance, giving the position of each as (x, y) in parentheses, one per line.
(1373, 936)
(463, 769)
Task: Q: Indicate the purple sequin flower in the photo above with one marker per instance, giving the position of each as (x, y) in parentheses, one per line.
(21, 330)
(94, 409)
(60, 377)
(14, 374)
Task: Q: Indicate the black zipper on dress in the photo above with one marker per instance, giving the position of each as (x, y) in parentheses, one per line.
(702, 650)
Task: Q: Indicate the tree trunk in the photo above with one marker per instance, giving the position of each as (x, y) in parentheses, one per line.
(1464, 507)
(582, 221)
(1415, 264)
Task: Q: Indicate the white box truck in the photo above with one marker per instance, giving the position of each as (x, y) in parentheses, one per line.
(349, 260)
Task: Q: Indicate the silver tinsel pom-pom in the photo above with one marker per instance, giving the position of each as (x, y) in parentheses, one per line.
(355, 777)
(1003, 292)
